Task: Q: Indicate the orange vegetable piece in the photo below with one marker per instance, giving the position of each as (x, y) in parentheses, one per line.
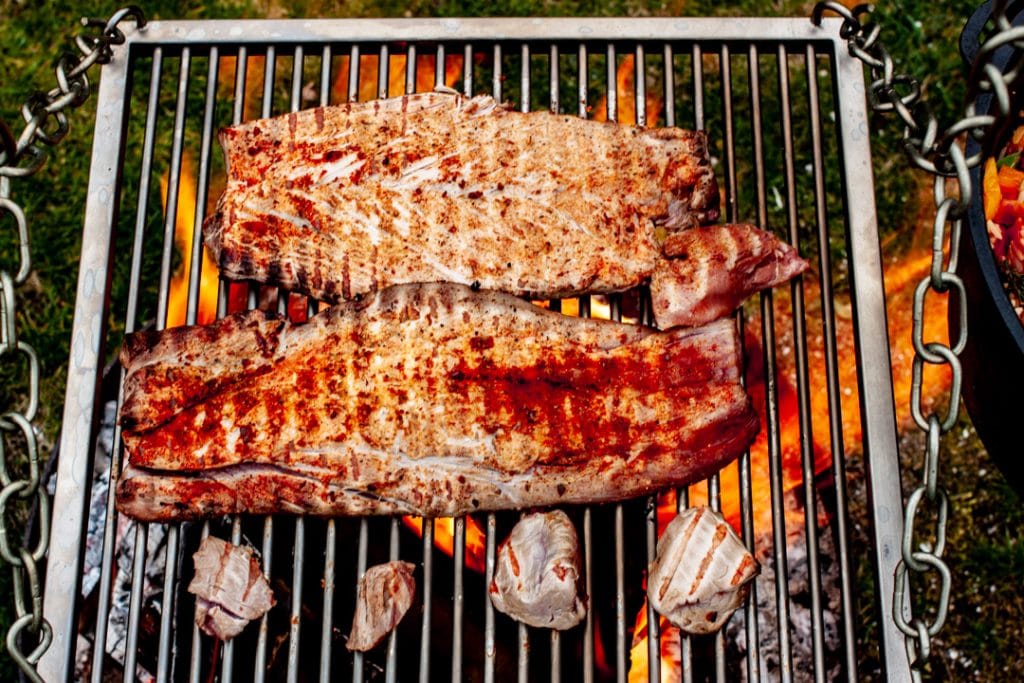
(1010, 180)
(1009, 210)
(992, 194)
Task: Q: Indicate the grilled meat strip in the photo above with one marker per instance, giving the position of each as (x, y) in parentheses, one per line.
(423, 399)
(434, 187)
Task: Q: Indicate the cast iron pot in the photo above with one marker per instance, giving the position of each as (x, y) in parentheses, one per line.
(993, 359)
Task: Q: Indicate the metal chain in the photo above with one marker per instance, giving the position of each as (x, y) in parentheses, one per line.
(941, 155)
(46, 123)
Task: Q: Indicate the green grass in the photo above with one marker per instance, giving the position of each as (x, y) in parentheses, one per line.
(979, 641)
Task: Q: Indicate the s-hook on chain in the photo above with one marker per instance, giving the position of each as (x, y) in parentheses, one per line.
(940, 154)
(46, 123)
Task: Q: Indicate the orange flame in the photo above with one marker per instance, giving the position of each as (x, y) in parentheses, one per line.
(184, 230)
(625, 78)
(671, 650)
(444, 539)
(368, 75)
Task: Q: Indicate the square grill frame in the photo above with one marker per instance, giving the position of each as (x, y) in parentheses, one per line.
(61, 606)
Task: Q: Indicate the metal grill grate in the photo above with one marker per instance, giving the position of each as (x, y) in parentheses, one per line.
(782, 101)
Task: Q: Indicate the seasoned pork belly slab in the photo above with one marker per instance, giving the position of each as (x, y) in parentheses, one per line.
(435, 187)
(423, 399)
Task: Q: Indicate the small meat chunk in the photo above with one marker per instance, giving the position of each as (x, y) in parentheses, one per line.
(229, 587)
(537, 578)
(708, 272)
(702, 572)
(385, 595)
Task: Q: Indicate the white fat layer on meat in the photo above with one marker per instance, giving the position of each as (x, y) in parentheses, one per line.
(257, 209)
(733, 250)
(231, 436)
(346, 165)
(200, 453)
(470, 442)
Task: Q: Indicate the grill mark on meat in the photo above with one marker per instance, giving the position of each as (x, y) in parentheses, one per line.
(720, 533)
(424, 398)
(687, 535)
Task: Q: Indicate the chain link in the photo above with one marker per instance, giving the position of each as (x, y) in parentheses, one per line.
(942, 155)
(46, 124)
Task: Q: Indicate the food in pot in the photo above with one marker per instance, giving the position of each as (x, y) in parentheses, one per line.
(435, 187)
(710, 271)
(384, 596)
(229, 586)
(431, 400)
(1004, 213)
(702, 572)
(537, 576)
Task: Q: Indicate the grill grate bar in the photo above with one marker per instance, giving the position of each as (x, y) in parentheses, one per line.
(383, 69)
(330, 541)
(647, 318)
(803, 386)
(745, 484)
(458, 599)
(554, 305)
(582, 94)
(138, 568)
(428, 598)
(713, 483)
(142, 530)
(299, 544)
(191, 314)
(237, 111)
(524, 106)
(267, 106)
(196, 660)
(364, 529)
(489, 644)
(110, 523)
(410, 70)
(391, 670)
(831, 368)
(771, 395)
(357, 658)
(615, 313)
(227, 668)
(683, 494)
